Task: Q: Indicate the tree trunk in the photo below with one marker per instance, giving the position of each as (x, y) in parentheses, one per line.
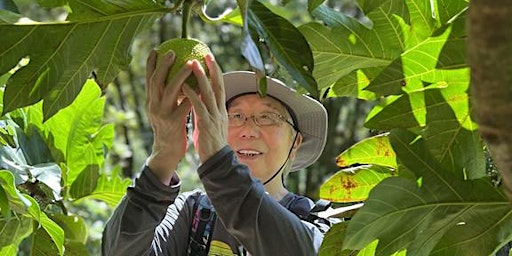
(490, 60)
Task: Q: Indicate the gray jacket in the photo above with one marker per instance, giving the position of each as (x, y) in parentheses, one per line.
(154, 219)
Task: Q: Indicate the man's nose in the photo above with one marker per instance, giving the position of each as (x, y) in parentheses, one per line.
(250, 128)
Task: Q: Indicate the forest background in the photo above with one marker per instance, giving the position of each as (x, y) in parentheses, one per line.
(393, 75)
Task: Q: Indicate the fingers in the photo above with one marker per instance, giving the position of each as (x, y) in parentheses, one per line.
(160, 73)
(211, 89)
(203, 84)
(210, 101)
(155, 78)
(173, 88)
(183, 110)
(150, 69)
(150, 65)
(216, 80)
(194, 99)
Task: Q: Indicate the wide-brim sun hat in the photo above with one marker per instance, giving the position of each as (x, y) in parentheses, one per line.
(310, 115)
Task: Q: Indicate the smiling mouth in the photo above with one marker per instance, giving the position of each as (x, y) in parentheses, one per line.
(248, 153)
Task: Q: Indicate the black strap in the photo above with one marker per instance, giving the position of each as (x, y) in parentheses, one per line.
(311, 215)
(202, 227)
(320, 206)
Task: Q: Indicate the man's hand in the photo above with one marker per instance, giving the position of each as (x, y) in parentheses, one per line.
(166, 115)
(210, 115)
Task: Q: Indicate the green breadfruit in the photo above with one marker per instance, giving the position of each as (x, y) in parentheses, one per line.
(185, 49)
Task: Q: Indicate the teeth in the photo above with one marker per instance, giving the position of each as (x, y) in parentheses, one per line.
(249, 152)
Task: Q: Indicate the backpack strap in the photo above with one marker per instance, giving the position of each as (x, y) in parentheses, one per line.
(324, 224)
(320, 206)
(202, 227)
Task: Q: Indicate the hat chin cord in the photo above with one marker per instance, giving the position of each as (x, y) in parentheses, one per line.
(282, 166)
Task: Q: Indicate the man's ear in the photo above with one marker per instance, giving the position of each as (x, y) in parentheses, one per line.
(296, 144)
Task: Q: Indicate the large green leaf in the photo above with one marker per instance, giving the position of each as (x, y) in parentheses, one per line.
(333, 240)
(353, 184)
(445, 10)
(332, 244)
(78, 132)
(410, 110)
(370, 250)
(50, 175)
(374, 150)
(450, 134)
(354, 83)
(55, 235)
(102, 9)
(7, 17)
(17, 201)
(33, 145)
(444, 216)
(442, 110)
(345, 45)
(286, 44)
(52, 3)
(398, 112)
(63, 55)
(9, 250)
(10, 159)
(422, 62)
(13, 230)
(5, 210)
(30, 162)
(74, 227)
(28, 147)
(110, 189)
(85, 183)
(76, 249)
(249, 48)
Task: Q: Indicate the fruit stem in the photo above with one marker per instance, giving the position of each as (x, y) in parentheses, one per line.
(187, 10)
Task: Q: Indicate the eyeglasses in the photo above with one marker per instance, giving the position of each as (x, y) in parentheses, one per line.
(261, 119)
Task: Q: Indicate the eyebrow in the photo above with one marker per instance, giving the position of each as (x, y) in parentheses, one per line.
(268, 104)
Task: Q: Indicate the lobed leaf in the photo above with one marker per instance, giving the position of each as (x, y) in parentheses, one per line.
(450, 134)
(442, 111)
(63, 55)
(441, 217)
(91, 9)
(422, 62)
(345, 45)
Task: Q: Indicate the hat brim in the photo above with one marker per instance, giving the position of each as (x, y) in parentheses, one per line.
(310, 114)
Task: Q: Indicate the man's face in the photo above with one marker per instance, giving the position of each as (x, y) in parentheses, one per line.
(263, 149)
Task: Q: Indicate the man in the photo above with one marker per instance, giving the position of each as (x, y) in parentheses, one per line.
(246, 144)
